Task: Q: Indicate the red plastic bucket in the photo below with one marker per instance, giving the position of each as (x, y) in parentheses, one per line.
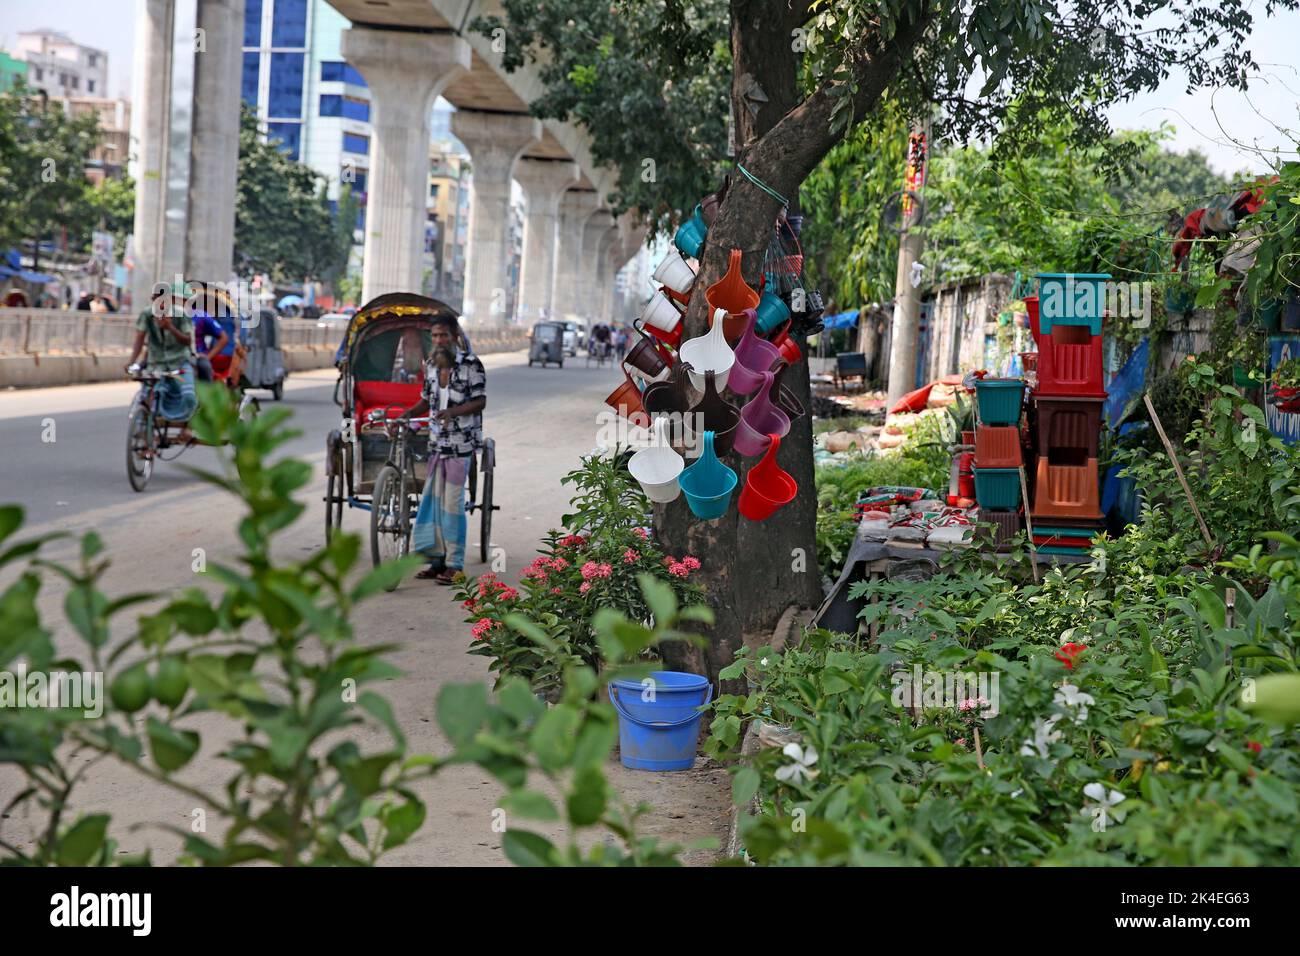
(768, 488)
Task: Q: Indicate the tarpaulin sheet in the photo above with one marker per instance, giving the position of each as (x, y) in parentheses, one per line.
(1126, 388)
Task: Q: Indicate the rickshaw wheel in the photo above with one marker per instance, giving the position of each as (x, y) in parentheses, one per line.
(334, 493)
(390, 517)
(139, 438)
(486, 507)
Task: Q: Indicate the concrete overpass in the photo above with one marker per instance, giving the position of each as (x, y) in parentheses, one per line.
(410, 52)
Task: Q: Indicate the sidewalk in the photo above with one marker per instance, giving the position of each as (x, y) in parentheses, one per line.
(543, 420)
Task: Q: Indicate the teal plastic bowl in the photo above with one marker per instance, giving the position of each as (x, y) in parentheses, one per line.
(997, 487)
(999, 400)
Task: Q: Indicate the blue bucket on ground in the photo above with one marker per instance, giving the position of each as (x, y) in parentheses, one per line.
(659, 731)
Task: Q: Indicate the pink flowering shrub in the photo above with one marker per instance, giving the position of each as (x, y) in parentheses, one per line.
(593, 564)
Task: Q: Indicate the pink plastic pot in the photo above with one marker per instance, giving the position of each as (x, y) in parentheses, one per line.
(759, 420)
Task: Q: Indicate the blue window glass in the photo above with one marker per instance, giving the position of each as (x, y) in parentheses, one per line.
(334, 105)
(253, 23)
(331, 105)
(356, 144)
(289, 135)
(336, 71)
(248, 89)
(286, 85)
(289, 24)
(356, 110)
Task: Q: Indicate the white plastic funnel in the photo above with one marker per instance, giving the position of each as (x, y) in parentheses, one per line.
(657, 467)
(709, 353)
(674, 272)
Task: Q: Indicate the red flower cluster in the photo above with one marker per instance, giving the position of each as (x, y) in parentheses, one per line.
(1069, 654)
(481, 628)
(489, 586)
(631, 556)
(592, 570)
(680, 569)
(542, 566)
(571, 541)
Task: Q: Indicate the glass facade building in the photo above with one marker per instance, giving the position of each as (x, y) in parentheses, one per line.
(308, 99)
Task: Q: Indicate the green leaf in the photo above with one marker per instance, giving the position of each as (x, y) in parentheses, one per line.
(462, 710)
(744, 785)
(530, 805)
(552, 740)
(171, 748)
(590, 793)
(402, 820)
(385, 577)
(529, 849)
(80, 844)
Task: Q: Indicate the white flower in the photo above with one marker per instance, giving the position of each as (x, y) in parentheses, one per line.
(1100, 805)
(762, 662)
(800, 770)
(1071, 697)
(1044, 737)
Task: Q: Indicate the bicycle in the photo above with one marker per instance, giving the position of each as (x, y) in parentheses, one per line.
(149, 435)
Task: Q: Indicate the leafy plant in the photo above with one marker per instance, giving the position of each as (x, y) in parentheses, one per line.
(1287, 374)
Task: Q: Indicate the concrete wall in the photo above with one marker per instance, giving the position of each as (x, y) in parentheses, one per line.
(50, 347)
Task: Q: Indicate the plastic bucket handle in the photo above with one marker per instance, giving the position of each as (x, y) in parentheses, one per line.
(660, 725)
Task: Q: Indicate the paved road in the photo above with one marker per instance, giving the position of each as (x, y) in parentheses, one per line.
(542, 420)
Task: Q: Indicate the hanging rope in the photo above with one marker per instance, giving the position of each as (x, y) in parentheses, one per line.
(785, 203)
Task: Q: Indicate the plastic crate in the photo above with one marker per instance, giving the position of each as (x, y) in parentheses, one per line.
(1071, 298)
(1066, 490)
(1006, 525)
(999, 400)
(997, 446)
(1067, 426)
(1070, 362)
(997, 488)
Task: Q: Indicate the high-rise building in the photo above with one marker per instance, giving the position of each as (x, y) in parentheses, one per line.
(305, 95)
(61, 66)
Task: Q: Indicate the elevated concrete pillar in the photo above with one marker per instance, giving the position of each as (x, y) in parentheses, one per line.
(214, 153)
(575, 209)
(607, 250)
(405, 73)
(150, 110)
(543, 182)
(589, 295)
(494, 141)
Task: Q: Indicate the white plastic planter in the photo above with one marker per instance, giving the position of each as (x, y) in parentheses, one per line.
(709, 353)
(657, 467)
(674, 272)
(661, 313)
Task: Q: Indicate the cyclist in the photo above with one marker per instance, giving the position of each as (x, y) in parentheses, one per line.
(455, 389)
(169, 335)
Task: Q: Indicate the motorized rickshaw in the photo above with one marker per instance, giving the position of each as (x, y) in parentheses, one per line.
(149, 435)
(264, 366)
(374, 460)
(547, 344)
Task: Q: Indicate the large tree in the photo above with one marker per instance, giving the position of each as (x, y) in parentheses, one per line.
(803, 73)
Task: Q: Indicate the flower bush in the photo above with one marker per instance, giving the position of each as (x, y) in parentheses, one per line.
(539, 628)
(1133, 719)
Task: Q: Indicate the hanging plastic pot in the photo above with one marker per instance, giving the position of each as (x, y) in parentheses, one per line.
(669, 339)
(768, 487)
(715, 414)
(731, 294)
(708, 483)
(644, 357)
(690, 235)
(786, 400)
(626, 399)
(772, 311)
(683, 299)
(674, 273)
(657, 467)
(754, 356)
(759, 420)
(660, 313)
(671, 401)
(709, 353)
(788, 347)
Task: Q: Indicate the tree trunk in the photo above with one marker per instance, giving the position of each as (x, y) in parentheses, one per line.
(754, 571)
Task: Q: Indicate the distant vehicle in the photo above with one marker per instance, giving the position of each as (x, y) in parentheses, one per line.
(332, 319)
(575, 336)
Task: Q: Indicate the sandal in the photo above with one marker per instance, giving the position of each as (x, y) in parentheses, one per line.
(430, 572)
(447, 575)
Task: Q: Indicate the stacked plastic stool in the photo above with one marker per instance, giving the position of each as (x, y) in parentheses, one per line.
(1066, 318)
(998, 456)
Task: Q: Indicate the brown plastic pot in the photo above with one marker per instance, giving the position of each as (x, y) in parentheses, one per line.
(626, 399)
(715, 414)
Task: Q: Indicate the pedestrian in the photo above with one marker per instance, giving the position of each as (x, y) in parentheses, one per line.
(620, 343)
(455, 393)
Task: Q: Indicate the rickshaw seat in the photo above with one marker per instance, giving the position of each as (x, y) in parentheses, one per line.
(371, 395)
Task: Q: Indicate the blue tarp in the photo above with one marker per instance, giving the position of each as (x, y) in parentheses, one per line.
(842, 320)
(1127, 385)
(25, 275)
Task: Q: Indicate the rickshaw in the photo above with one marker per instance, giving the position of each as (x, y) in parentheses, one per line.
(375, 461)
(547, 344)
(264, 366)
(149, 436)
